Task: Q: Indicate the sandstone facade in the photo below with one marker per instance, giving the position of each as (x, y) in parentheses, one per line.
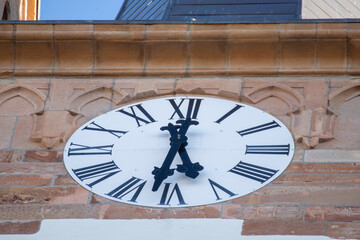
(54, 77)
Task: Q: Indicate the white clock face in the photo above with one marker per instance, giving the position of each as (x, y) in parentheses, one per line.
(179, 152)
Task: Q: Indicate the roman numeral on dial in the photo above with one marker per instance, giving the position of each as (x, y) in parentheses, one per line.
(192, 111)
(237, 107)
(131, 185)
(79, 149)
(268, 149)
(259, 128)
(102, 171)
(215, 185)
(116, 133)
(146, 118)
(165, 200)
(254, 172)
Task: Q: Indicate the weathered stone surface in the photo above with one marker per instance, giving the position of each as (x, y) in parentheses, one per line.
(10, 156)
(343, 156)
(133, 212)
(19, 227)
(204, 62)
(166, 58)
(43, 156)
(47, 211)
(34, 58)
(7, 58)
(7, 125)
(166, 32)
(335, 214)
(262, 212)
(328, 168)
(318, 180)
(298, 56)
(244, 57)
(30, 168)
(344, 230)
(73, 58)
(65, 180)
(119, 58)
(283, 227)
(344, 135)
(229, 89)
(346, 196)
(74, 31)
(25, 180)
(46, 195)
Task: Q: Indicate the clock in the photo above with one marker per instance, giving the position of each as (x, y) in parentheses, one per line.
(178, 151)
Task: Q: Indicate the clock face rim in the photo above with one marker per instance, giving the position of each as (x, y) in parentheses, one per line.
(213, 185)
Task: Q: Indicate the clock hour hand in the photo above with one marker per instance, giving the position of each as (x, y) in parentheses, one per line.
(160, 174)
(177, 138)
(190, 169)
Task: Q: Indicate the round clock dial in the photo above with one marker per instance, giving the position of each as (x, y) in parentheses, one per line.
(179, 152)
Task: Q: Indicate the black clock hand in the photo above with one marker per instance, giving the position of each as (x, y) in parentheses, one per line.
(190, 169)
(176, 140)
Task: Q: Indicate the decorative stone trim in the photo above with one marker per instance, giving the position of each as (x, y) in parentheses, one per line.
(297, 49)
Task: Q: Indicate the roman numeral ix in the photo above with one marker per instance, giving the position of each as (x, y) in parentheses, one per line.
(254, 172)
(102, 171)
(90, 150)
(146, 118)
(192, 108)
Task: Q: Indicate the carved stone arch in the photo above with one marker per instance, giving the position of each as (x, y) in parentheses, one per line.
(15, 99)
(290, 97)
(345, 101)
(77, 102)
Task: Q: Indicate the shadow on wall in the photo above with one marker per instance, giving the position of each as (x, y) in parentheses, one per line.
(6, 11)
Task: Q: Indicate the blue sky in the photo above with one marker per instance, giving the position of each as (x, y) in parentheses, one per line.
(79, 9)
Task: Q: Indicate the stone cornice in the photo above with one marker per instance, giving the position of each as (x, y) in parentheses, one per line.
(180, 50)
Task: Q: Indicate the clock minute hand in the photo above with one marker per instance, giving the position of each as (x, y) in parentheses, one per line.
(160, 174)
(190, 169)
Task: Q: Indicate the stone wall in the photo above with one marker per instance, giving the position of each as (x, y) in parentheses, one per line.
(56, 77)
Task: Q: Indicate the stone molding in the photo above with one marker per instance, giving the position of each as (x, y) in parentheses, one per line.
(180, 50)
(309, 107)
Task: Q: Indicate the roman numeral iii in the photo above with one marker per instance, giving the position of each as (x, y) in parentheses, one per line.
(268, 149)
(146, 118)
(259, 128)
(192, 110)
(101, 171)
(89, 150)
(254, 172)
